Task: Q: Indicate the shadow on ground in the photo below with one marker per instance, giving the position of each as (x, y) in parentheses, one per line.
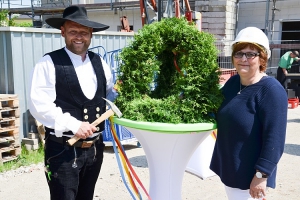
(137, 161)
(128, 147)
(292, 149)
(293, 120)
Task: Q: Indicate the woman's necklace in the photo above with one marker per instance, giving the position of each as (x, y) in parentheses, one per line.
(239, 92)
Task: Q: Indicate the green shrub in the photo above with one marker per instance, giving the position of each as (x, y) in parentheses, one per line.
(186, 93)
(24, 24)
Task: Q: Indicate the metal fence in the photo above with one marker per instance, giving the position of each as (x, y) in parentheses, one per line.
(278, 48)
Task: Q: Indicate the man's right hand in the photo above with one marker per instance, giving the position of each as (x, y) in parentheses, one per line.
(85, 130)
(284, 71)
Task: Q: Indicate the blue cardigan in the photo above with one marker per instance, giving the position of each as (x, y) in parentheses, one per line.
(251, 131)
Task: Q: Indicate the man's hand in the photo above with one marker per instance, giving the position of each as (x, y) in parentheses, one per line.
(284, 71)
(258, 187)
(85, 130)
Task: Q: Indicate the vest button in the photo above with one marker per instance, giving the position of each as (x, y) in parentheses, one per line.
(86, 116)
(97, 115)
(97, 109)
(85, 110)
(98, 129)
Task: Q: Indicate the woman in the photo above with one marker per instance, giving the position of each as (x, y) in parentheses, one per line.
(251, 121)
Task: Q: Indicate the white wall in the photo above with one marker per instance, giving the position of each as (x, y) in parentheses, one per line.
(109, 17)
(253, 13)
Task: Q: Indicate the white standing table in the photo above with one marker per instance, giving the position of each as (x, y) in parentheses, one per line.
(168, 148)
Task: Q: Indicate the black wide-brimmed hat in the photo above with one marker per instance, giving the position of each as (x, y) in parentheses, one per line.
(76, 14)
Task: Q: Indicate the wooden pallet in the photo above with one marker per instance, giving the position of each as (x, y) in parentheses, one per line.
(9, 154)
(10, 136)
(9, 101)
(7, 139)
(9, 112)
(9, 123)
(10, 131)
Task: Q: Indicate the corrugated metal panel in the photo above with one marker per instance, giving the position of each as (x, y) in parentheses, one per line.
(21, 48)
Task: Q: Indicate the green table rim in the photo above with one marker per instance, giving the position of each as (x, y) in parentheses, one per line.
(165, 127)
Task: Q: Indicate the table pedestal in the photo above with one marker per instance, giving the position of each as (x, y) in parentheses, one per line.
(200, 160)
(167, 156)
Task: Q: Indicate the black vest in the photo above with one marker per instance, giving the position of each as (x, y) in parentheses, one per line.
(69, 96)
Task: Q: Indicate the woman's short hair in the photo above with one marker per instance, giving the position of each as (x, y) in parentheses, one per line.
(263, 57)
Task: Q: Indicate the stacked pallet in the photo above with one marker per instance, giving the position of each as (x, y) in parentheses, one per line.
(9, 127)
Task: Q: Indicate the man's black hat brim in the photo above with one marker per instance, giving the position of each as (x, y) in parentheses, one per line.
(76, 14)
(58, 22)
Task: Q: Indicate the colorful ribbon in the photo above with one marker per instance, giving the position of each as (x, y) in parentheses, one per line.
(126, 165)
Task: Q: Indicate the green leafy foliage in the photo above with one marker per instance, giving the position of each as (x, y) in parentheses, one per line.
(24, 24)
(3, 17)
(4, 21)
(154, 90)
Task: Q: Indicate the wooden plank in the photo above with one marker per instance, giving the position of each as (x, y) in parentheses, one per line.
(10, 131)
(7, 123)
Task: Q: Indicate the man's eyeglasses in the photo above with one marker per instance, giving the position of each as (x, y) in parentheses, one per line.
(248, 55)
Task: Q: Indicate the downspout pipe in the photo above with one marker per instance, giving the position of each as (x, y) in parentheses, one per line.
(236, 17)
(267, 17)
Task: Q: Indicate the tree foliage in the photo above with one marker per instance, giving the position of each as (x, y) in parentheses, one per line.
(153, 89)
(5, 21)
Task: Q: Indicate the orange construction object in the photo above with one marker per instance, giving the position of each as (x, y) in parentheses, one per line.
(177, 8)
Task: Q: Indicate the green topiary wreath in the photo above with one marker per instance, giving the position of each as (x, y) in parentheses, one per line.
(155, 88)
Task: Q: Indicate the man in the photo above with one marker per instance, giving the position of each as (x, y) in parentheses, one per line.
(285, 64)
(66, 96)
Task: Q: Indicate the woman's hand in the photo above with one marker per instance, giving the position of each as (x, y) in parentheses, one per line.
(258, 187)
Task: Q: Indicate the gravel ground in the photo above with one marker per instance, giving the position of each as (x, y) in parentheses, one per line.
(29, 183)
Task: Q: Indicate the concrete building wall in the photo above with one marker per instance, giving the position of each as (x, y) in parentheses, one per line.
(253, 13)
(218, 17)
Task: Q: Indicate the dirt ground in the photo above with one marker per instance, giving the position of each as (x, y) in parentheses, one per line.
(33, 186)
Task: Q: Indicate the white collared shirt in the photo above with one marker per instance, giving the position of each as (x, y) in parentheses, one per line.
(43, 94)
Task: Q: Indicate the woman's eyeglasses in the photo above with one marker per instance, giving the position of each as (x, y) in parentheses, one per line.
(248, 55)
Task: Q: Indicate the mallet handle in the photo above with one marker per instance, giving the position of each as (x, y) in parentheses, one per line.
(103, 117)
